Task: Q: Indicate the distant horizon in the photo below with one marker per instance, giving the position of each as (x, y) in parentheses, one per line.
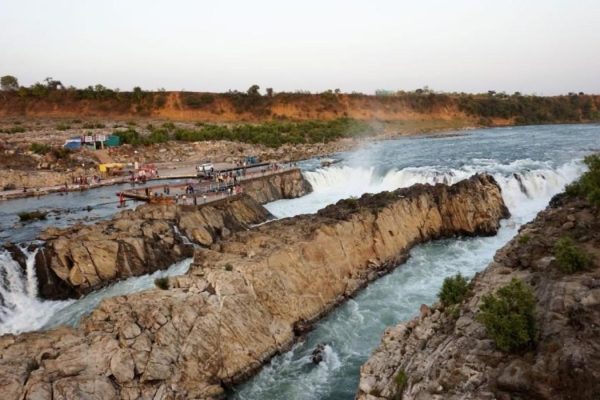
(262, 90)
(541, 47)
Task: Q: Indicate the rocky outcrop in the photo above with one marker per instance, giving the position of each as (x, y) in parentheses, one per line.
(287, 184)
(83, 258)
(444, 355)
(242, 301)
(80, 259)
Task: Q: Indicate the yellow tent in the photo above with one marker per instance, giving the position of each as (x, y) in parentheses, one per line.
(106, 167)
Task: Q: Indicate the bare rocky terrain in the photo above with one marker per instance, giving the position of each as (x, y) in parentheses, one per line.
(444, 355)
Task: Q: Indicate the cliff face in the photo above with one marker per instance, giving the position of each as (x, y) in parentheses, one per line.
(450, 357)
(285, 185)
(80, 259)
(226, 108)
(243, 300)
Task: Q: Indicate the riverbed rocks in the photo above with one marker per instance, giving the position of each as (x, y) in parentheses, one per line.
(83, 258)
(287, 184)
(243, 300)
(448, 355)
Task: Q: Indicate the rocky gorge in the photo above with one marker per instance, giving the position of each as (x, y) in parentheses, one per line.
(446, 353)
(244, 299)
(82, 258)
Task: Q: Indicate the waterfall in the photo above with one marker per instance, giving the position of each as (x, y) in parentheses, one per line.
(526, 185)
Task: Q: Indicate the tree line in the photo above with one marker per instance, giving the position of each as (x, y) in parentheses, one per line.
(516, 108)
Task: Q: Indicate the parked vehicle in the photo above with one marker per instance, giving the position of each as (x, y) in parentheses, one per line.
(205, 169)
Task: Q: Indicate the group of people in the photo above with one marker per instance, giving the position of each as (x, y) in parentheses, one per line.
(227, 177)
(85, 180)
(142, 175)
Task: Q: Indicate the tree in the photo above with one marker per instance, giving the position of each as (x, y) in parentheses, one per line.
(53, 84)
(138, 93)
(509, 316)
(270, 92)
(253, 90)
(9, 82)
(454, 290)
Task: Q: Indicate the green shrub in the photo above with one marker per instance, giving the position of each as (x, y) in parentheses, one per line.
(130, 136)
(63, 127)
(16, 129)
(60, 153)
(570, 259)
(157, 136)
(39, 148)
(92, 125)
(162, 283)
(400, 379)
(454, 290)
(169, 126)
(197, 100)
(509, 316)
(524, 239)
(228, 267)
(272, 134)
(588, 185)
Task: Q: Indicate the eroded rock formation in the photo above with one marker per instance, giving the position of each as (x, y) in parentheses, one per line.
(285, 185)
(242, 301)
(82, 258)
(446, 356)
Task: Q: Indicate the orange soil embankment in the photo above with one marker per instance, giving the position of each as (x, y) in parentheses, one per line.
(224, 108)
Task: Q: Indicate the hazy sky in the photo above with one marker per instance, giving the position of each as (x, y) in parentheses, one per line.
(533, 46)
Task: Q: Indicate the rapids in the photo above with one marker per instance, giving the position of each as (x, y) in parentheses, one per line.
(531, 164)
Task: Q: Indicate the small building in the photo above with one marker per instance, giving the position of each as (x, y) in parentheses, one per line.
(72, 144)
(93, 142)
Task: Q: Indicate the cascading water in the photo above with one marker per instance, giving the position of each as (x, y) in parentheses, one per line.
(528, 175)
(20, 309)
(522, 181)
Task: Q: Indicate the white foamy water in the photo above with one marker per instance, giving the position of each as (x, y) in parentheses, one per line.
(526, 184)
(22, 311)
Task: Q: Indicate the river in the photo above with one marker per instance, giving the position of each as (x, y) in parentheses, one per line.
(530, 163)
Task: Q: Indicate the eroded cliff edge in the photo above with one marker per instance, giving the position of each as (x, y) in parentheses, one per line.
(439, 355)
(242, 301)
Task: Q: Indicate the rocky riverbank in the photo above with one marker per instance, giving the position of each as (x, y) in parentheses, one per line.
(242, 301)
(448, 355)
(80, 259)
